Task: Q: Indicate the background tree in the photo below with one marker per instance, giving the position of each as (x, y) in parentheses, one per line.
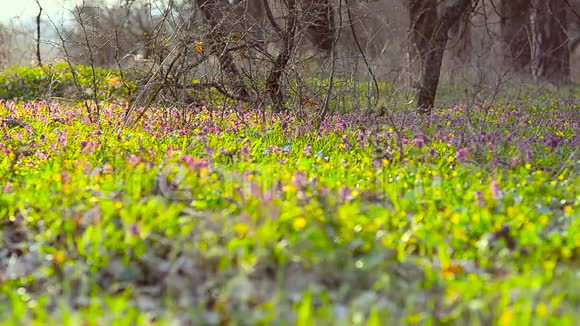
(536, 37)
(549, 41)
(515, 31)
(430, 23)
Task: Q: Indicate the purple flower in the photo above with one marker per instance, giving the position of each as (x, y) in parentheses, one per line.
(494, 189)
(245, 150)
(135, 229)
(419, 142)
(307, 150)
(462, 153)
(299, 179)
(479, 197)
(344, 193)
(528, 151)
(552, 141)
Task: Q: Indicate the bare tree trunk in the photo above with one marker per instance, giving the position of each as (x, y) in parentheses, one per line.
(428, 39)
(515, 15)
(38, 57)
(210, 10)
(287, 36)
(550, 51)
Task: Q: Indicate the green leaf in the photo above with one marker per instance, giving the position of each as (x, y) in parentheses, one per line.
(374, 319)
(305, 314)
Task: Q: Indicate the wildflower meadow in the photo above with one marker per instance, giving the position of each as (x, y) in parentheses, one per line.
(469, 216)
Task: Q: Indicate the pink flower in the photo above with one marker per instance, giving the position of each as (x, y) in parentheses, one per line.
(268, 196)
(89, 147)
(188, 160)
(255, 190)
(193, 163)
(87, 168)
(515, 161)
(65, 178)
(8, 187)
(133, 160)
(62, 138)
(299, 179)
(274, 149)
(41, 155)
(107, 169)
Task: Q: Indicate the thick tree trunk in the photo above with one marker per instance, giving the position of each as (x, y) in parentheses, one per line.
(515, 19)
(550, 51)
(428, 39)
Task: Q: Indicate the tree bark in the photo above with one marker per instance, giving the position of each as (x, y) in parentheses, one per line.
(428, 39)
(515, 24)
(549, 41)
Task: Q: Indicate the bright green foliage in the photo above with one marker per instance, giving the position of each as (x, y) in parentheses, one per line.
(235, 220)
(58, 80)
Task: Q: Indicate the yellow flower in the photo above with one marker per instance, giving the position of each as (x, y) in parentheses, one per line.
(299, 223)
(541, 310)
(506, 318)
(199, 46)
(451, 270)
(59, 257)
(414, 318)
(241, 229)
(114, 81)
(455, 218)
(566, 252)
